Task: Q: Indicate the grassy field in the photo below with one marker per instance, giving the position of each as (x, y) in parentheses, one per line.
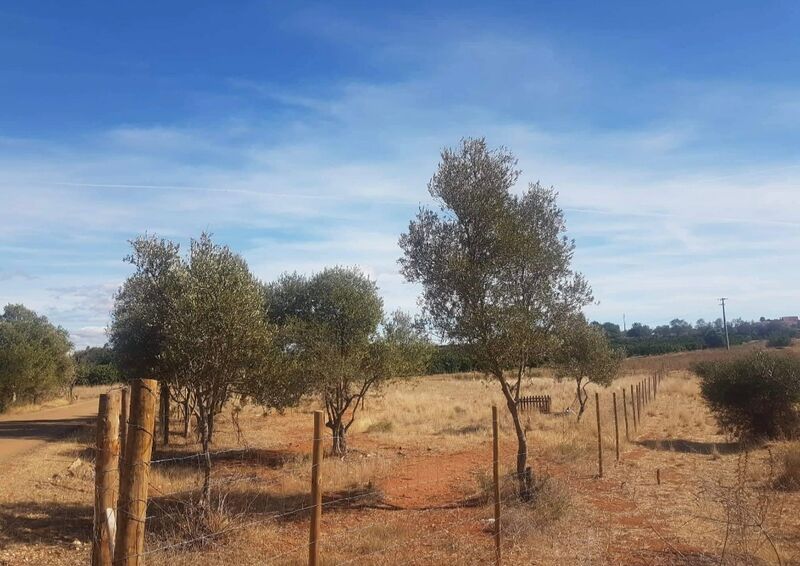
(414, 487)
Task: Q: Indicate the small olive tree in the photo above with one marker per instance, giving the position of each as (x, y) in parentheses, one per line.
(331, 334)
(494, 265)
(583, 353)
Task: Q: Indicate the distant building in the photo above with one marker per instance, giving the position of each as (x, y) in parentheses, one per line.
(790, 320)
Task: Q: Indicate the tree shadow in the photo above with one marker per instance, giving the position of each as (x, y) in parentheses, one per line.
(261, 457)
(254, 506)
(42, 429)
(31, 522)
(693, 447)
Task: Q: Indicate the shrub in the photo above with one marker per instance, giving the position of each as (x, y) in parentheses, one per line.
(754, 396)
(790, 475)
(779, 340)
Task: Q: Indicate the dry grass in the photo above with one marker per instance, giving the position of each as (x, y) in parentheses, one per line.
(414, 487)
(789, 478)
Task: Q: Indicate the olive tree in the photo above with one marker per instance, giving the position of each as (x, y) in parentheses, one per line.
(331, 334)
(584, 354)
(208, 337)
(141, 313)
(34, 356)
(494, 267)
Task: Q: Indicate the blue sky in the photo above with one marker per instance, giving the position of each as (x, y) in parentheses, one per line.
(303, 135)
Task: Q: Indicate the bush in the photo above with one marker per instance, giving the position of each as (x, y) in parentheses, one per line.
(754, 396)
(779, 340)
(790, 474)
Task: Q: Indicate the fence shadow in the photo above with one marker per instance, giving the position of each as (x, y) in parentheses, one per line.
(692, 447)
(32, 522)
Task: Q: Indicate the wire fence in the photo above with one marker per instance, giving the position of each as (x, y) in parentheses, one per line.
(362, 524)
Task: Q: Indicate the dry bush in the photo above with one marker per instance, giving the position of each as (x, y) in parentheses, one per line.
(190, 525)
(789, 478)
(521, 518)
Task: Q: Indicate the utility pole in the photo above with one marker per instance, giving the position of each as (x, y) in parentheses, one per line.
(725, 322)
(624, 325)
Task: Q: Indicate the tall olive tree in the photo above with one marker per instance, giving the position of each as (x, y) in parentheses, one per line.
(331, 336)
(494, 265)
(585, 355)
(141, 314)
(34, 356)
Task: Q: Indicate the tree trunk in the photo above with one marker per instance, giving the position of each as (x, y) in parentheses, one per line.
(205, 436)
(524, 473)
(186, 416)
(210, 427)
(164, 417)
(582, 397)
(339, 447)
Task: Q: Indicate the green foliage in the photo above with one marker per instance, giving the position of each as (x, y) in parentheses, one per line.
(332, 339)
(451, 358)
(96, 366)
(34, 356)
(494, 265)
(680, 336)
(218, 341)
(143, 307)
(780, 339)
(585, 355)
(754, 396)
(199, 324)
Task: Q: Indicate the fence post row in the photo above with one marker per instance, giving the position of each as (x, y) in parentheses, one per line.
(132, 509)
(316, 491)
(496, 479)
(106, 481)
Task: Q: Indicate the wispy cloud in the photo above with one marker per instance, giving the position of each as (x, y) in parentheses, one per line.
(666, 214)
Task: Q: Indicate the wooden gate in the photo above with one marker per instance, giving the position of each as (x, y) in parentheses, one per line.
(541, 402)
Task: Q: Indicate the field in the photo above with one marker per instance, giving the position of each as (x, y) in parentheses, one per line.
(415, 487)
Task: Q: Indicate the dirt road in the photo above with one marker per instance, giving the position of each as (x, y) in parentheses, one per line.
(22, 433)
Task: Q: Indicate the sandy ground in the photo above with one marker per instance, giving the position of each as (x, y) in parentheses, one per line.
(402, 496)
(23, 433)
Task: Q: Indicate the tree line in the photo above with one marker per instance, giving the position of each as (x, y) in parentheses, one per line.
(680, 335)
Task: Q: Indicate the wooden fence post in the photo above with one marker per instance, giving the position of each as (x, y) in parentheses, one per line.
(496, 478)
(135, 472)
(625, 412)
(106, 479)
(633, 410)
(639, 402)
(599, 436)
(316, 492)
(124, 412)
(616, 422)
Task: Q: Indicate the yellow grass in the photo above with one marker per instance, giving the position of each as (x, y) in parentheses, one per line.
(414, 488)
